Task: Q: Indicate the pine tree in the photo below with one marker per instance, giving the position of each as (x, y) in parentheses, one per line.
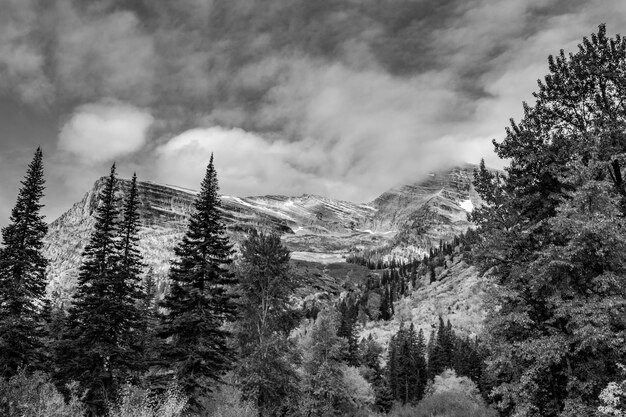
(406, 365)
(200, 299)
(129, 288)
(99, 346)
(348, 311)
(438, 359)
(22, 277)
(421, 367)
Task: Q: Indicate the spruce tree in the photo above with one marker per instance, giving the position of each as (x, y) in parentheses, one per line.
(438, 359)
(348, 311)
(406, 365)
(421, 368)
(200, 300)
(129, 290)
(22, 276)
(99, 344)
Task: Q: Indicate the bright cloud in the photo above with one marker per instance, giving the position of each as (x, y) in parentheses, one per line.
(104, 131)
(246, 163)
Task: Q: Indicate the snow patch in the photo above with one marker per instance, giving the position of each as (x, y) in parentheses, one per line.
(467, 205)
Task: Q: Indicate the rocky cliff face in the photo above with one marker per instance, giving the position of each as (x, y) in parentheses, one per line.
(316, 228)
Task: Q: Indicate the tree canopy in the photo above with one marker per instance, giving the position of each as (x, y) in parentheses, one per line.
(552, 237)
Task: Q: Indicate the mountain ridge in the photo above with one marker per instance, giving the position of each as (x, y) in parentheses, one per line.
(408, 219)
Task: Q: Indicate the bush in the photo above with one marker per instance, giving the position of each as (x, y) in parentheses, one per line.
(358, 390)
(35, 396)
(139, 402)
(449, 404)
(448, 396)
(448, 381)
(226, 401)
(613, 397)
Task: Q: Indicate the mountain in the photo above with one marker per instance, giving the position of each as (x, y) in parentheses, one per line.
(406, 220)
(423, 213)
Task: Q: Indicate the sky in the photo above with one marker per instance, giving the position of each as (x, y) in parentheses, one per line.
(343, 98)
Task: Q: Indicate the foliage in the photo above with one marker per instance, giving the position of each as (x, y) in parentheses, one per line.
(134, 401)
(552, 238)
(448, 381)
(441, 349)
(613, 398)
(266, 370)
(196, 353)
(22, 277)
(35, 395)
(268, 376)
(358, 390)
(449, 396)
(323, 389)
(99, 345)
(227, 401)
(265, 287)
(348, 328)
(447, 404)
(406, 365)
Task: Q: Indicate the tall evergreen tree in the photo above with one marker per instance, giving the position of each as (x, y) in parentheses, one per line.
(348, 310)
(99, 344)
(200, 298)
(406, 365)
(419, 365)
(129, 288)
(438, 359)
(22, 276)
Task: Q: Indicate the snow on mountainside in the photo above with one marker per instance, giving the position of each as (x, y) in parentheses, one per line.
(409, 218)
(434, 208)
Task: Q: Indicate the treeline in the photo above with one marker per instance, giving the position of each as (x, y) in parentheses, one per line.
(396, 279)
(377, 259)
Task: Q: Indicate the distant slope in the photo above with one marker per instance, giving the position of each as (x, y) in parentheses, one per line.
(314, 228)
(431, 209)
(457, 295)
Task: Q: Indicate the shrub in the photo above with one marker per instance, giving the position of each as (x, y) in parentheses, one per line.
(139, 402)
(450, 404)
(448, 381)
(358, 390)
(35, 396)
(613, 397)
(226, 401)
(448, 396)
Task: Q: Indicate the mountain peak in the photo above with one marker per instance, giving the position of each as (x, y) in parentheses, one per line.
(407, 219)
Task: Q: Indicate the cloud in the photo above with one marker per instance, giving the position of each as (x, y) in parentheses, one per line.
(344, 98)
(247, 164)
(103, 55)
(22, 55)
(104, 131)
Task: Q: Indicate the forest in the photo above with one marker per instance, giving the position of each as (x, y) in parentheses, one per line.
(229, 338)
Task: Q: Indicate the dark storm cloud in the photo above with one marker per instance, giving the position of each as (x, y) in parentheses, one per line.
(346, 97)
